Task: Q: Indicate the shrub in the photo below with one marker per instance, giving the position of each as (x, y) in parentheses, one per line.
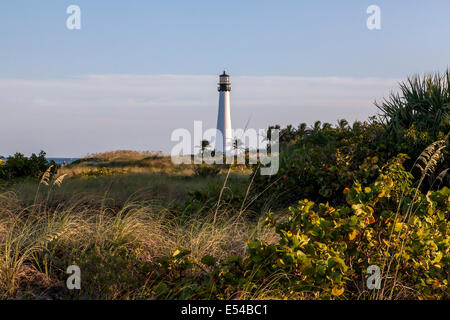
(424, 103)
(324, 251)
(328, 249)
(206, 170)
(19, 166)
(321, 164)
(2, 168)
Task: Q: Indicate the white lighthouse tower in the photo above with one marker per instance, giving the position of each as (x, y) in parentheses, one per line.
(224, 118)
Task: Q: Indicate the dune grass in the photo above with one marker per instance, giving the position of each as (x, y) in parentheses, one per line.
(117, 189)
(37, 244)
(113, 226)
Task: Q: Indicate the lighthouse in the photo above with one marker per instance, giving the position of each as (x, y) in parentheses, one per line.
(224, 117)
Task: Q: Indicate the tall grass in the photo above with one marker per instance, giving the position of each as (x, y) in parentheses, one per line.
(39, 241)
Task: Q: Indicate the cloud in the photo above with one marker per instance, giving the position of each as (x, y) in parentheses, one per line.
(76, 116)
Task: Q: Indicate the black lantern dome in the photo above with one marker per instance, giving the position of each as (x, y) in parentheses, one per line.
(224, 82)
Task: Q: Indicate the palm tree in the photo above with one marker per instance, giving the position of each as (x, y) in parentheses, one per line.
(204, 145)
(302, 129)
(237, 144)
(287, 134)
(316, 127)
(342, 124)
(357, 125)
(326, 126)
(269, 133)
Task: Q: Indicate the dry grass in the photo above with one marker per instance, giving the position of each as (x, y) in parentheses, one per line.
(136, 162)
(121, 201)
(125, 155)
(40, 238)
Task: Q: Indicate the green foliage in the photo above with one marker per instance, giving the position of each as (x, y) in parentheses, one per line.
(87, 160)
(109, 273)
(19, 166)
(328, 249)
(424, 103)
(182, 277)
(204, 201)
(99, 172)
(206, 170)
(2, 168)
(324, 251)
(320, 164)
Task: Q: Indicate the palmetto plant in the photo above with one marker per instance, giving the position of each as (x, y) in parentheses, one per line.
(423, 102)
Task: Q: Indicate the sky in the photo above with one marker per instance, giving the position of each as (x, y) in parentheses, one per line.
(137, 70)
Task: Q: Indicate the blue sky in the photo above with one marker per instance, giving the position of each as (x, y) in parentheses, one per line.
(296, 38)
(258, 42)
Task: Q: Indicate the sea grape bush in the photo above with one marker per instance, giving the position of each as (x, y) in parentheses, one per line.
(329, 249)
(321, 163)
(324, 251)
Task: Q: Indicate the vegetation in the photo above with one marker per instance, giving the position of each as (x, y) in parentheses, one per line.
(424, 102)
(320, 162)
(386, 223)
(204, 170)
(346, 197)
(19, 166)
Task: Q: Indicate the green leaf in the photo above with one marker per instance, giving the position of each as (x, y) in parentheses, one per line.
(209, 260)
